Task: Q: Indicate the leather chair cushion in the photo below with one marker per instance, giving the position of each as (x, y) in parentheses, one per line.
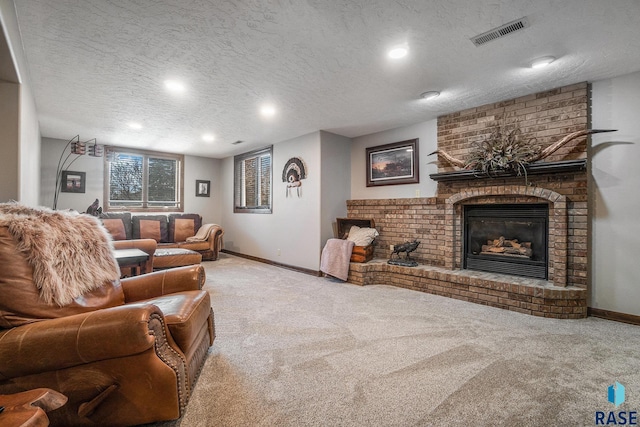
(184, 314)
(151, 227)
(124, 217)
(175, 257)
(182, 226)
(20, 301)
(115, 227)
(193, 246)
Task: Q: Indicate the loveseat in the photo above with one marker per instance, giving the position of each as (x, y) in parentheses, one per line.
(123, 352)
(176, 230)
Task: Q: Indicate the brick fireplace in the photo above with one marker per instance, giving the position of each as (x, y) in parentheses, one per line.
(559, 183)
(508, 239)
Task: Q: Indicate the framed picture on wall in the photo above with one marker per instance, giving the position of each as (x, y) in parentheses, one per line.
(392, 164)
(73, 182)
(203, 188)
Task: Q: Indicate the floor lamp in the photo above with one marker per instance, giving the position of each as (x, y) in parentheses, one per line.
(77, 148)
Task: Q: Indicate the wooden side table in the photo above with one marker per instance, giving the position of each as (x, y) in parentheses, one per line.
(29, 408)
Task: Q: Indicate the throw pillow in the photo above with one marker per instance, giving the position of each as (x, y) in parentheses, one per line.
(362, 236)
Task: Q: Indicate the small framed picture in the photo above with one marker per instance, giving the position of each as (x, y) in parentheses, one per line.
(203, 188)
(72, 182)
(394, 163)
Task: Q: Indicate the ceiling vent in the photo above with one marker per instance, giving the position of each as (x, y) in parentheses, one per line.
(237, 142)
(496, 33)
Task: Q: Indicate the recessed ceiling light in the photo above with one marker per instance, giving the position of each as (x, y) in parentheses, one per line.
(398, 52)
(542, 62)
(430, 94)
(174, 86)
(134, 125)
(207, 137)
(268, 110)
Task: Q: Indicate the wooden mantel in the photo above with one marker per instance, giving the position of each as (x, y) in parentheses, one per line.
(539, 168)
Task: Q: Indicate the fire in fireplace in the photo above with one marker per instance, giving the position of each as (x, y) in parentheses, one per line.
(507, 238)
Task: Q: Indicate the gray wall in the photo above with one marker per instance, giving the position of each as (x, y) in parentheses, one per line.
(195, 168)
(93, 166)
(291, 234)
(426, 132)
(9, 141)
(335, 152)
(20, 135)
(296, 231)
(203, 168)
(29, 157)
(615, 160)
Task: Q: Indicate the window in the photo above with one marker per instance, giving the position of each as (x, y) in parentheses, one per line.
(137, 180)
(252, 181)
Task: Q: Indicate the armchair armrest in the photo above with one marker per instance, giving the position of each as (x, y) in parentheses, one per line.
(152, 285)
(65, 342)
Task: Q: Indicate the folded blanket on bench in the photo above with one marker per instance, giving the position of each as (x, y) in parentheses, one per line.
(335, 258)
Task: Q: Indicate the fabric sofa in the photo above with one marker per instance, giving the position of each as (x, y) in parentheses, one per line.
(184, 231)
(125, 353)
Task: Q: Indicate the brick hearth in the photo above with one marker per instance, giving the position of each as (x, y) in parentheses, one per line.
(521, 294)
(437, 221)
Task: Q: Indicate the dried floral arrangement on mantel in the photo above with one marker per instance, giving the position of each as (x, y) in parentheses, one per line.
(507, 151)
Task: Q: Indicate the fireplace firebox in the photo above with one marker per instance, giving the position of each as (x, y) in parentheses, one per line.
(507, 238)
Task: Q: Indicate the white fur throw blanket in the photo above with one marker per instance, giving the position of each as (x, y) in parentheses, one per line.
(70, 253)
(335, 258)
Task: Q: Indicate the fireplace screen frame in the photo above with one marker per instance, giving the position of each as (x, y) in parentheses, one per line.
(537, 213)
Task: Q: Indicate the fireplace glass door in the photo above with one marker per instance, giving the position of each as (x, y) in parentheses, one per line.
(508, 239)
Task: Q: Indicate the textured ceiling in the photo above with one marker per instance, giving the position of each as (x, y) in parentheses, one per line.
(97, 65)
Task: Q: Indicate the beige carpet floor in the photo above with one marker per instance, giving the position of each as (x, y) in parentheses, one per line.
(296, 350)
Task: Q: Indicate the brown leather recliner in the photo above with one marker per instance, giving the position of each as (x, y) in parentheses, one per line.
(126, 353)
